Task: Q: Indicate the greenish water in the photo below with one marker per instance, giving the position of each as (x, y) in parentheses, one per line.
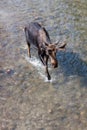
(27, 100)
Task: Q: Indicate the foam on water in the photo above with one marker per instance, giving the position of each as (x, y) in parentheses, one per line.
(39, 66)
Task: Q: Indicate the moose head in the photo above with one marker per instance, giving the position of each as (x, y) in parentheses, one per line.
(51, 50)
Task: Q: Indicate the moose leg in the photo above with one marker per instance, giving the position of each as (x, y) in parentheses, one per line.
(28, 49)
(41, 57)
(44, 60)
(47, 72)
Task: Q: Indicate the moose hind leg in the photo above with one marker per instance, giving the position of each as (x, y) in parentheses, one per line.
(29, 54)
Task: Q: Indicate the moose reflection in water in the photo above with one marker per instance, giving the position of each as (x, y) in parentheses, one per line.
(39, 37)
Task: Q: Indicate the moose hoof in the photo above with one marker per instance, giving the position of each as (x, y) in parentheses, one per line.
(49, 77)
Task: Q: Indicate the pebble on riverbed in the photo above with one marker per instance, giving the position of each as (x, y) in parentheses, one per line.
(10, 71)
(50, 111)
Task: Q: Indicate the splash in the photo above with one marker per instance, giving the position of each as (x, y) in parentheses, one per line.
(39, 66)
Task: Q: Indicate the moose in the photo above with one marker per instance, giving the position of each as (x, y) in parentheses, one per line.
(37, 35)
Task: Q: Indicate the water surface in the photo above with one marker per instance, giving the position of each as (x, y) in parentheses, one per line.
(27, 100)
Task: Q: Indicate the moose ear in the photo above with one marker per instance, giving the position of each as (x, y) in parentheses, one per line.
(62, 46)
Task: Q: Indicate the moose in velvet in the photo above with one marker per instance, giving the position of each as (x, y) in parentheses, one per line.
(39, 37)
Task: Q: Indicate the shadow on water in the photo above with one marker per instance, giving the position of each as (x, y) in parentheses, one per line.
(73, 66)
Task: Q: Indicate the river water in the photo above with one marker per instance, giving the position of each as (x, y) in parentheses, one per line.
(27, 100)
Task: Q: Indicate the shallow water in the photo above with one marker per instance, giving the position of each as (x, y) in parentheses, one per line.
(27, 100)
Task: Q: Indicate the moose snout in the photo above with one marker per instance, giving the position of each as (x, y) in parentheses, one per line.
(55, 64)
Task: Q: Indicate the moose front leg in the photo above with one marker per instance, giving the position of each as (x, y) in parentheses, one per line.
(46, 67)
(44, 60)
(47, 72)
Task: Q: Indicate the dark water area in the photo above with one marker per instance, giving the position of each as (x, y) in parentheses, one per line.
(27, 100)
